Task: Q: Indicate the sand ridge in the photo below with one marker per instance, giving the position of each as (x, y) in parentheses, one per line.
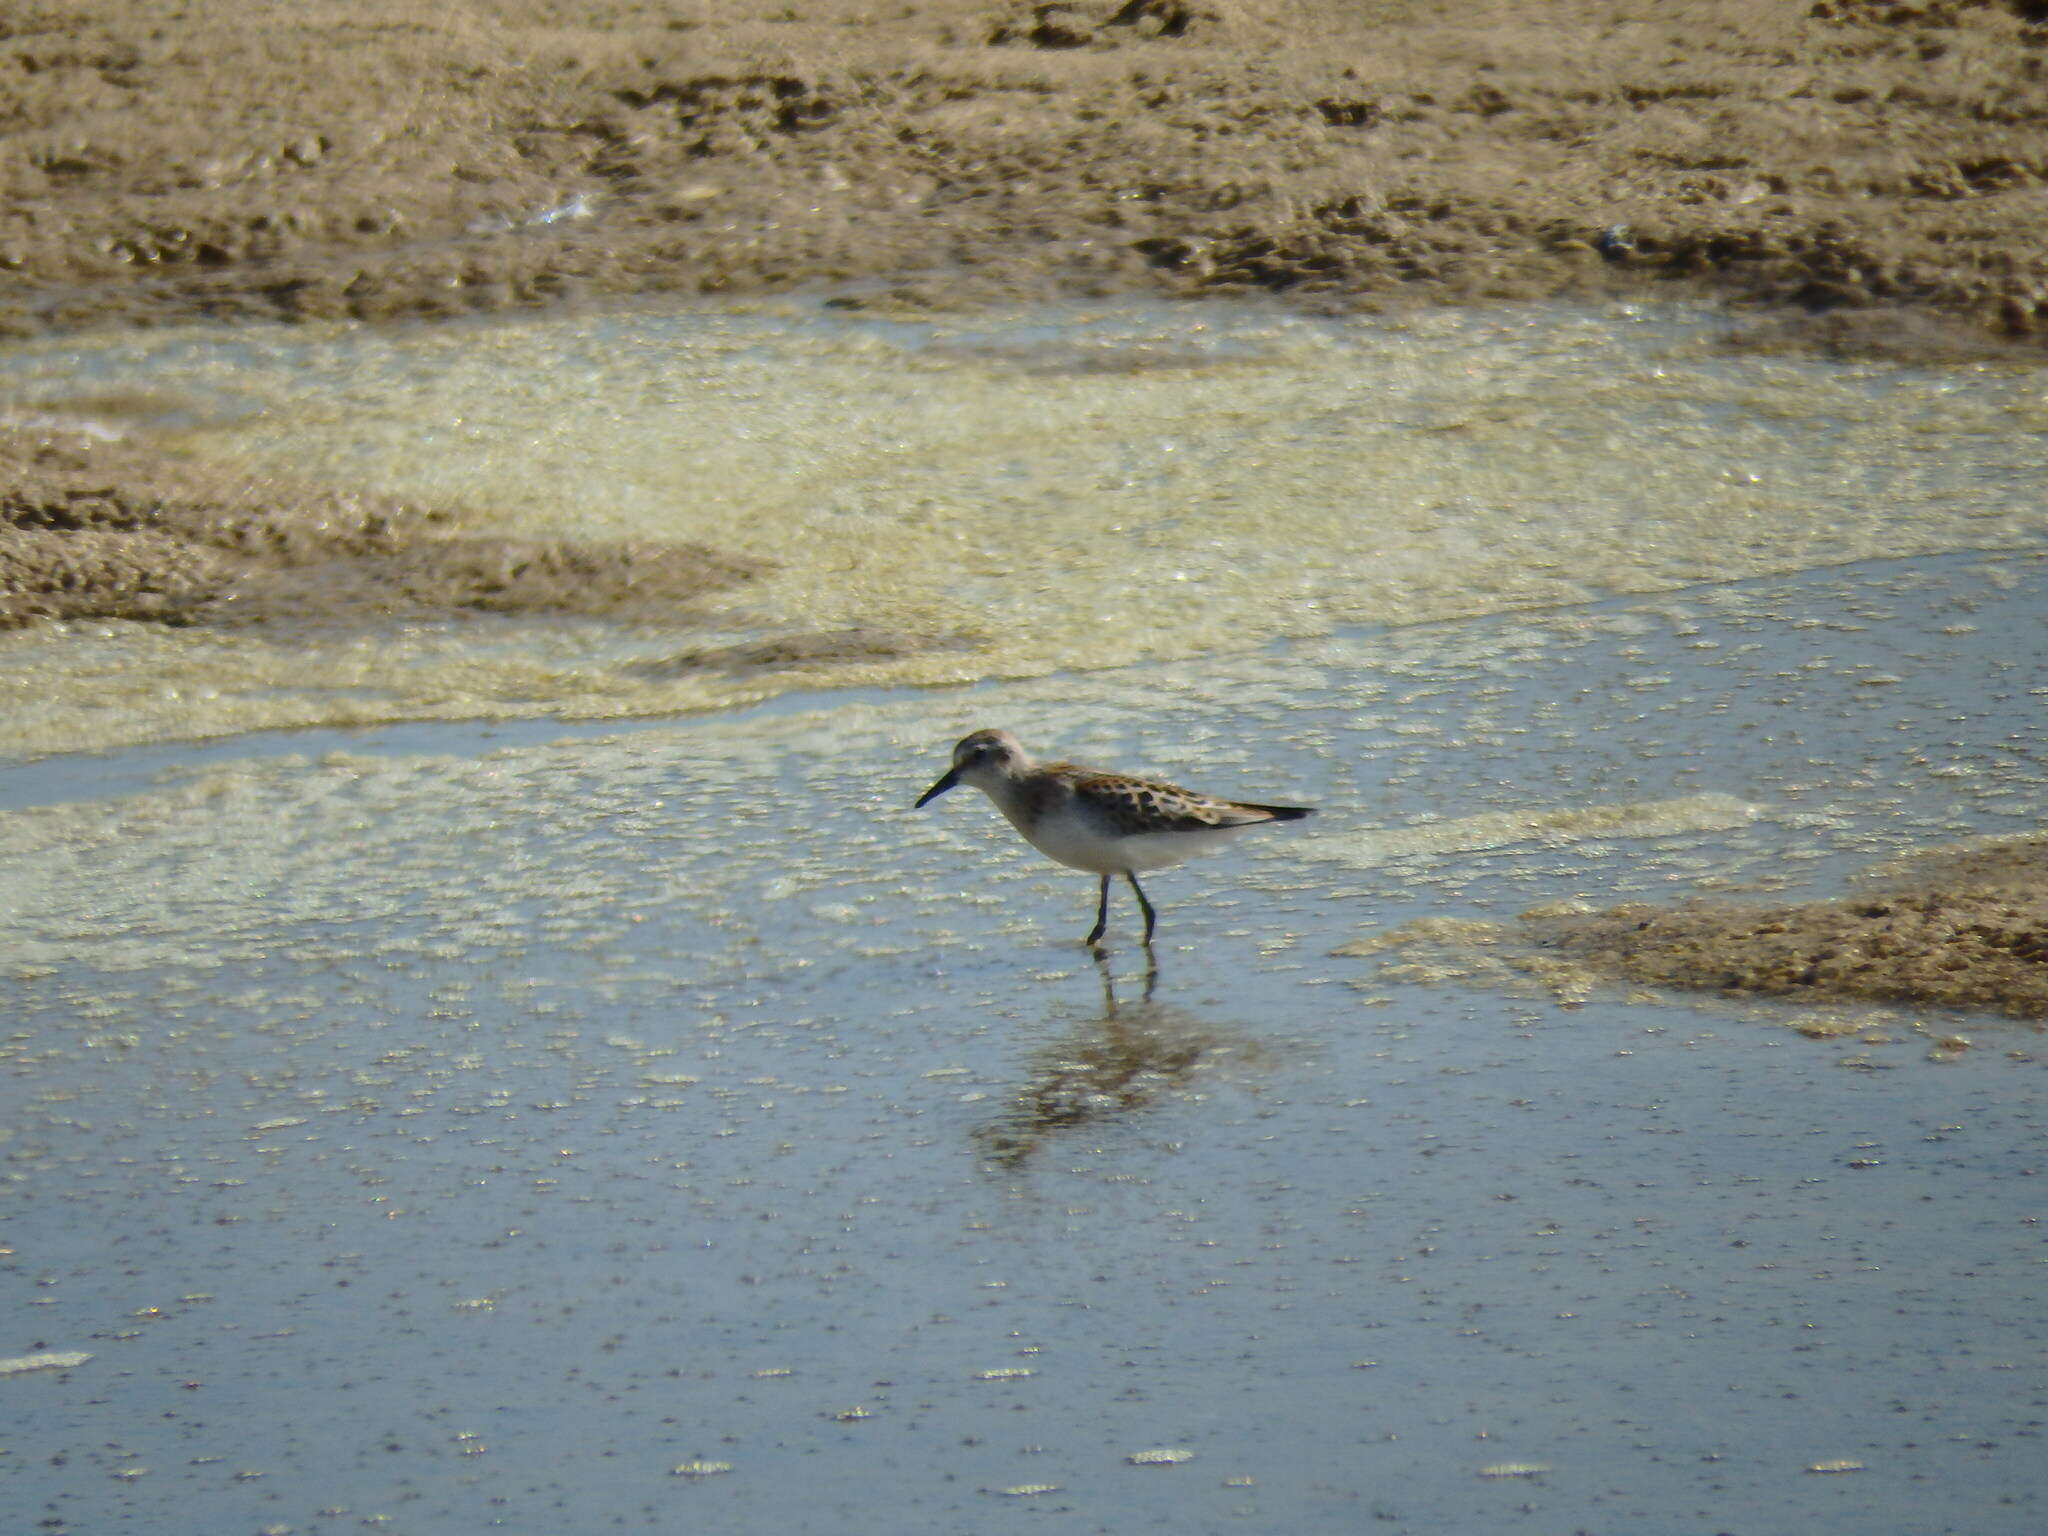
(1953, 930)
(97, 528)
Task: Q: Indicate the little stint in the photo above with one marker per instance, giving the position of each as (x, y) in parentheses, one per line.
(1106, 823)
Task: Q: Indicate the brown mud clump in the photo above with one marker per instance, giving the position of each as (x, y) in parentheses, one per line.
(99, 529)
(1962, 930)
(386, 159)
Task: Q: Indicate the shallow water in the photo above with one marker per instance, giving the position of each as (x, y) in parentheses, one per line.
(454, 1128)
(1020, 495)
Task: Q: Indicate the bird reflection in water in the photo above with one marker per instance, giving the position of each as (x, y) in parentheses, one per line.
(1134, 1053)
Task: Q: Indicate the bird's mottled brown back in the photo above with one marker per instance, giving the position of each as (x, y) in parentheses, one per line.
(1130, 806)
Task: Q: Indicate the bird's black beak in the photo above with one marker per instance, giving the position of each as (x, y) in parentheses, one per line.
(947, 780)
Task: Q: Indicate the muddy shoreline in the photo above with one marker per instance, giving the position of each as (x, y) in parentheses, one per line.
(1870, 177)
(1847, 159)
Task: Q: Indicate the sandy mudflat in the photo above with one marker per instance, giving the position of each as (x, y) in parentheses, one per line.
(1953, 930)
(383, 158)
(1867, 174)
(92, 528)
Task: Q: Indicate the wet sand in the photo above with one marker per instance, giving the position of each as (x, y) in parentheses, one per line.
(382, 160)
(1951, 931)
(1956, 931)
(100, 529)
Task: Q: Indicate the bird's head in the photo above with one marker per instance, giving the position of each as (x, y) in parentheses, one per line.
(980, 759)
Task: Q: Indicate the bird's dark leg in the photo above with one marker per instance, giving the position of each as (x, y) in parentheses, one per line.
(1101, 915)
(1144, 906)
